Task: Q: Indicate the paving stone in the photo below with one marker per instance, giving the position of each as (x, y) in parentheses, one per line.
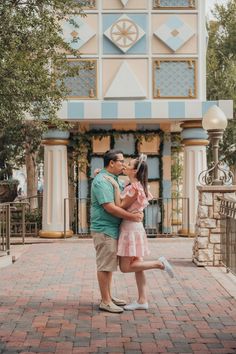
(54, 306)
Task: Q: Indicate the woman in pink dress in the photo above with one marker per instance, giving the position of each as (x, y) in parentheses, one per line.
(132, 244)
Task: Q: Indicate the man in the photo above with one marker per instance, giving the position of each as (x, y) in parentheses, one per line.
(105, 222)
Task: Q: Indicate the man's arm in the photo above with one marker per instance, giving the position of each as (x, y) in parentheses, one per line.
(113, 209)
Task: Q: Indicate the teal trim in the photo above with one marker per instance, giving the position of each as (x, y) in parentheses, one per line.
(167, 147)
(176, 109)
(109, 110)
(166, 189)
(56, 134)
(75, 110)
(143, 110)
(153, 167)
(194, 133)
(83, 189)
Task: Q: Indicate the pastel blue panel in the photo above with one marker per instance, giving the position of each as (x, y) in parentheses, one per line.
(126, 144)
(148, 126)
(206, 105)
(176, 109)
(109, 110)
(75, 110)
(96, 162)
(194, 133)
(171, 3)
(153, 167)
(152, 216)
(138, 48)
(175, 79)
(167, 147)
(143, 110)
(83, 189)
(166, 189)
(81, 85)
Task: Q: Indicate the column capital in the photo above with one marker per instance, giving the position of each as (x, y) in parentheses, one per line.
(193, 134)
(56, 137)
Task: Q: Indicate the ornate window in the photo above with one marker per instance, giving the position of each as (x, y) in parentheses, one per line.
(166, 4)
(91, 4)
(174, 78)
(85, 84)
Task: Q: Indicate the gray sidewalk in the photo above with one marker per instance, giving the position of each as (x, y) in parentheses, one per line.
(49, 304)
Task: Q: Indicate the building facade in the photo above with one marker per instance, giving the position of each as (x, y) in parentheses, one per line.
(142, 78)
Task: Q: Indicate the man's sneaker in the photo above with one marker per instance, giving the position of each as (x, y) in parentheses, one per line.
(168, 268)
(118, 302)
(136, 306)
(111, 307)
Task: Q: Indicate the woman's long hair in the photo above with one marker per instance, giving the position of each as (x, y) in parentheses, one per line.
(142, 174)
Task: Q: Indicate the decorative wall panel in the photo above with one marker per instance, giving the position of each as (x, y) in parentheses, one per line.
(174, 78)
(85, 84)
(174, 33)
(158, 4)
(124, 34)
(77, 32)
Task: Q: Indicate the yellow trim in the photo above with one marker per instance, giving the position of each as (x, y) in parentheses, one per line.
(195, 142)
(157, 63)
(55, 142)
(55, 234)
(191, 124)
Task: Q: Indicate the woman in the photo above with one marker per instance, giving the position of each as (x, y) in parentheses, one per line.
(132, 244)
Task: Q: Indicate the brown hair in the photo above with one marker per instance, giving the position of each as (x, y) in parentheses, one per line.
(142, 174)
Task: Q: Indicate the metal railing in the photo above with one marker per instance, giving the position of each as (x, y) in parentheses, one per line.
(5, 228)
(228, 233)
(162, 217)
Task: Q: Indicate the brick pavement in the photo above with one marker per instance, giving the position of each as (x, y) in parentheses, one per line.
(49, 304)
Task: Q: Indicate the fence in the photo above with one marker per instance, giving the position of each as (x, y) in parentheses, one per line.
(228, 233)
(4, 229)
(162, 217)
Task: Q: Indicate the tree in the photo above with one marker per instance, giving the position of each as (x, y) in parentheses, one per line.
(221, 69)
(33, 66)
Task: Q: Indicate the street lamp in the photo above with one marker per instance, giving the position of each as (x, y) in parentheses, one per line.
(215, 122)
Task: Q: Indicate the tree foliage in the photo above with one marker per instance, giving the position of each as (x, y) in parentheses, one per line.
(33, 66)
(221, 68)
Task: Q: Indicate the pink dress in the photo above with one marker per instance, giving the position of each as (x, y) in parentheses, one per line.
(133, 239)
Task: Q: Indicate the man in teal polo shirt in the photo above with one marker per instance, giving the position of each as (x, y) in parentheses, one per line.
(105, 221)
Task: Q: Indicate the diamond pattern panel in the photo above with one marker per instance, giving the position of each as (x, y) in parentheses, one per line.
(85, 84)
(77, 36)
(124, 33)
(173, 3)
(175, 79)
(174, 33)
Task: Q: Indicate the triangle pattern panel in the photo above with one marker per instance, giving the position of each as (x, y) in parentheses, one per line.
(84, 32)
(174, 33)
(124, 33)
(124, 2)
(125, 84)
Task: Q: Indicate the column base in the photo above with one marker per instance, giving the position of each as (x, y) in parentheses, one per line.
(55, 234)
(186, 233)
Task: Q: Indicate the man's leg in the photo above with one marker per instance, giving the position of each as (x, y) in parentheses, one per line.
(104, 281)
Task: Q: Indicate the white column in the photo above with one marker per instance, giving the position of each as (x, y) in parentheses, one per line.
(194, 141)
(55, 189)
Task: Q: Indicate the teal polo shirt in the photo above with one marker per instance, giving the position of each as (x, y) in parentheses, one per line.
(102, 192)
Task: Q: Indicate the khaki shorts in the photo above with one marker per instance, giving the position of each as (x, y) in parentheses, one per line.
(106, 252)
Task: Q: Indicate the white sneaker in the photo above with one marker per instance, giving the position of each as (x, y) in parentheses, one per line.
(136, 306)
(168, 268)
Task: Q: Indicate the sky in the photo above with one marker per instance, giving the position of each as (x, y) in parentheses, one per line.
(210, 4)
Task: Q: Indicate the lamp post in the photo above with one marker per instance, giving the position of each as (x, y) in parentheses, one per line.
(214, 122)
